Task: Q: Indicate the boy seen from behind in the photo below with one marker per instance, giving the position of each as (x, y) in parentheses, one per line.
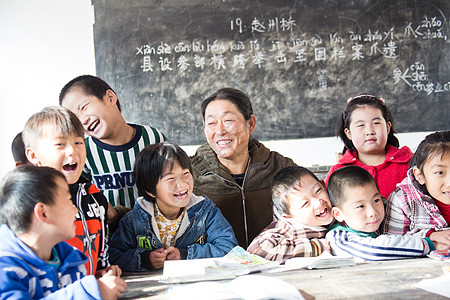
(38, 215)
(54, 137)
(303, 208)
(359, 208)
(18, 150)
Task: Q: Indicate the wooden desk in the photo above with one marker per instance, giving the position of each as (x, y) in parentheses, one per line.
(372, 280)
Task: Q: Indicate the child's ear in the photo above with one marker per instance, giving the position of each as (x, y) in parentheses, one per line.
(388, 125)
(348, 133)
(111, 97)
(31, 155)
(151, 195)
(40, 212)
(418, 175)
(337, 214)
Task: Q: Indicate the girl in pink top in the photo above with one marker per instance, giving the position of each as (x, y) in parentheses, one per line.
(421, 203)
(366, 127)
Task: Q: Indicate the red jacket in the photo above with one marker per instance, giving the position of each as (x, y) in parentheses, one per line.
(388, 174)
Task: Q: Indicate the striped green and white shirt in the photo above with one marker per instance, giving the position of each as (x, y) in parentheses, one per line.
(110, 168)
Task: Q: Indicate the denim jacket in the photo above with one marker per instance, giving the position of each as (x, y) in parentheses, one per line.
(203, 233)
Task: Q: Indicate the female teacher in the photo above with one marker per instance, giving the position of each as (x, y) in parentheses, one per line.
(233, 169)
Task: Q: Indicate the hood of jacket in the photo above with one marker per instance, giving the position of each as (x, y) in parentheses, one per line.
(11, 244)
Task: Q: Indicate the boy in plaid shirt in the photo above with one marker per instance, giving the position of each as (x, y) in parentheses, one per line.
(303, 211)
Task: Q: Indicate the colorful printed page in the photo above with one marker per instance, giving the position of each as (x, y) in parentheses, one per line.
(244, 262)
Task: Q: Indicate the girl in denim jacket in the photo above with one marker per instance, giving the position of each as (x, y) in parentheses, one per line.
(168, 222)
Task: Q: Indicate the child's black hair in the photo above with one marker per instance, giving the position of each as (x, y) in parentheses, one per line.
(90, 85)
(18, 150)
(151, 163)
(283, 181)
(434, 144)
(437, 143)
(21, 189)
(344, 178)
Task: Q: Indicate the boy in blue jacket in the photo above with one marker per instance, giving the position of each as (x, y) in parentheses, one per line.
(38, 215)
(358, 206)
(168, 222)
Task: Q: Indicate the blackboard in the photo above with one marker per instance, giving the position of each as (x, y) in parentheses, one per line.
(299, 61)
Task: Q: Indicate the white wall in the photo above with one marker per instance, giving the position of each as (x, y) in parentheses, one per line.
(43, 45)
(46, 43)
(321, 151)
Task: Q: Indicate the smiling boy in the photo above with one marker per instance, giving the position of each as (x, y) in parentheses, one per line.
(54, 137)
(303, 208)
(359, 208)
(112, 144)
(37, 215)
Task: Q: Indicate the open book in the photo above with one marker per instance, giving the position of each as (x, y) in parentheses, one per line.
(323, 261)
(237, 262)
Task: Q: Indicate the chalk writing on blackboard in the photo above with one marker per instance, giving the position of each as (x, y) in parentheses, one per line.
(212, 54)
(416, 77)
(298, 60)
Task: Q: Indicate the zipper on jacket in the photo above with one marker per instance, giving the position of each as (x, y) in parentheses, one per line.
(58, 274)
(241, 189)
(87, 239)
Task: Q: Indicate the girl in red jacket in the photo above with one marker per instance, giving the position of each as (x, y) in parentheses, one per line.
(366, 127)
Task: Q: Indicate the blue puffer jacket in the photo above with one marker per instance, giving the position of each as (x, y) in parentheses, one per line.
(203, 232)
(23, 275)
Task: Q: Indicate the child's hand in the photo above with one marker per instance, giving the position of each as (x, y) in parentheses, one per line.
(326, 245)
(157, 258)
(173, 253)
(441, 239)
(116, 271)
(111, 286)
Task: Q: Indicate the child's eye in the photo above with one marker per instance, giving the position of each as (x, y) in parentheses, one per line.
(303, 205)
(186, 173)
(318, 190)
(84, 107)
(377, 200)
(439, 173)
(359, 206)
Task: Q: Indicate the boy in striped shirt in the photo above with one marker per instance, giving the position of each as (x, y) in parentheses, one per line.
(359, 208)
(112, 144)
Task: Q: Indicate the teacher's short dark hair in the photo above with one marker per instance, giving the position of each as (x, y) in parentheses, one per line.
(235, 96)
